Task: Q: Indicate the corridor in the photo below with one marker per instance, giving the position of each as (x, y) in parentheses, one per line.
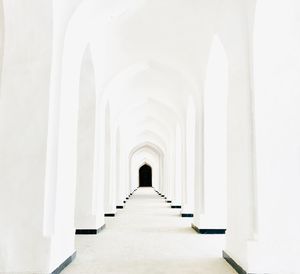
(147, 236)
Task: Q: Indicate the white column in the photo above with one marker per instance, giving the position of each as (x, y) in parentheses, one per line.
(241, 156)
(24, 106)
(123, 164)
(199, 163)
(85, 217)
(108, 152)
(276, 245)
(190, 149)
(176, 201)
(213, 218)
(169, 173)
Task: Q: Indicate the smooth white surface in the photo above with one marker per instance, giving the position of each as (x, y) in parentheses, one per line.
(147, 236)
(277, 114)
(85, 216)
(151, 61)
(215, 140)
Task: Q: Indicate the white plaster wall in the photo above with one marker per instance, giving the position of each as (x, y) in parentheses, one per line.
(277, 97)
(146, 77)
(108, 182)
(23, 134)
(111, 190)
(61, 192)
(235, 32)
(136, 42)
(215, 140)
(1, 40)
(85, 188)
(188, 188)
(179, 168)
(62, 147)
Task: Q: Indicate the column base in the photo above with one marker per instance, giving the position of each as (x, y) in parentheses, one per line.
(233, 264)
(89, 231)
(208, 230)
(175, 206)
(64, 264)
(187, 215)
(109, 215)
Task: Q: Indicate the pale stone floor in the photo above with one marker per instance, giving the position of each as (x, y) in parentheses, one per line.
(147, 236)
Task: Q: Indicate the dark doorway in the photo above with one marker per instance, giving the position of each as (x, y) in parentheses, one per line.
(145, 173)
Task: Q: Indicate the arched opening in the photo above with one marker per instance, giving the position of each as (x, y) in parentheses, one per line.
(145, 176)
(152, 153)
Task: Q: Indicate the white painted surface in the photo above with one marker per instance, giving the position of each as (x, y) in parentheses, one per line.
(85, 217)
(148, 106)
(214, 215)
(277, 97)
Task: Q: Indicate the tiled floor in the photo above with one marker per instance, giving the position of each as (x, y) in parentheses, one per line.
(147, 236)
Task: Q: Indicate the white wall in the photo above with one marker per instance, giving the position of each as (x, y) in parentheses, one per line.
(108, 182)
(155, 90)
(23, 135)
(189, 183)
(277, 97)
(235, 32)
(179, 168)
(85, 187)
(214, 213)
